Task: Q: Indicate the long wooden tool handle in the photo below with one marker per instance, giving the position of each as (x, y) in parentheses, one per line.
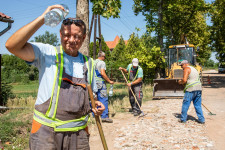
(97, 118)
(206, 108)
(131, 90)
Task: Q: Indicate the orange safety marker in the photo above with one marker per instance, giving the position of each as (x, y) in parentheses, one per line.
(209, 82)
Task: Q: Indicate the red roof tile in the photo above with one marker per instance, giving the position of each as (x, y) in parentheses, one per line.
(112, 44)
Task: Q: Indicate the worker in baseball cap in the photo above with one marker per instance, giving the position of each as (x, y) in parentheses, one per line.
(135, 76)
(192, 90)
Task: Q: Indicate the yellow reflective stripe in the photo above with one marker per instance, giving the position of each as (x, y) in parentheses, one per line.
(99, 79)
(41, 121)
(60, 79)
(55, 78)
(92, 69)
(71, 129)
(55, 123)
(191, 84)
(129, 73)
(90, 72)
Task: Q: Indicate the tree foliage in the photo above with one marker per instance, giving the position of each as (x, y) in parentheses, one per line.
(118, 59)
(150, 57)
(106, 8)
(15, 69)
(105, 49)
(179, 17)
(50, 38)
(218, 29)
(6, 93)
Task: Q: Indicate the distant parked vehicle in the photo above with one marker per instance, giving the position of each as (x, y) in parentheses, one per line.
(221, 69)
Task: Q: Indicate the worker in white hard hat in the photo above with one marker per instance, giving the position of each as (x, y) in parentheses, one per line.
(135, 76)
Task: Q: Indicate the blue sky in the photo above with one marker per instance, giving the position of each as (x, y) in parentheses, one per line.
(25, 11)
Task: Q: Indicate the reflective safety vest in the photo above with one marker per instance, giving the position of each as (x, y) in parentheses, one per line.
(135, 75)
(192, 84)
(49, 119)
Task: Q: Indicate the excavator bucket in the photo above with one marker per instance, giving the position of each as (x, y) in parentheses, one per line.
(167, 88)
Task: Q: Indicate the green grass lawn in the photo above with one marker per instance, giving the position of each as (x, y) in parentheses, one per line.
(24, 90)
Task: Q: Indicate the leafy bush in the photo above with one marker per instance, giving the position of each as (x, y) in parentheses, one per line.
(6, 93)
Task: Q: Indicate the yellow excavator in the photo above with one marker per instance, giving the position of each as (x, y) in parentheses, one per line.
(169, 87)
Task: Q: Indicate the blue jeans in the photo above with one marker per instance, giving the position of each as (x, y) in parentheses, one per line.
(196, 97)
(105, 102)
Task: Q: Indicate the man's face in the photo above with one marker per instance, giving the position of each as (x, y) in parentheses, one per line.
(183, 66)
(103, 57)
(72, 38)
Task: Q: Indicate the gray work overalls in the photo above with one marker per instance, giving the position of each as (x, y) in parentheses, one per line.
(137, 89)
(72, 104)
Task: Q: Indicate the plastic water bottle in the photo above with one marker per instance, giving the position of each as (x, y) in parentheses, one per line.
(55, 16)
(111, 90)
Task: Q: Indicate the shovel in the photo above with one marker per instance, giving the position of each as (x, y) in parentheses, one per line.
(142, 113)
(97, 119)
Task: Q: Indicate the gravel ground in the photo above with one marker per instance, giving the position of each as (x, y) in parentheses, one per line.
(159, 129)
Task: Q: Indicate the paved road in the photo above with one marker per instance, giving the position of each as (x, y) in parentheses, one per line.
(214, 100)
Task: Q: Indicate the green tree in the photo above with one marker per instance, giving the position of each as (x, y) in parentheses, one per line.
(172, 19)
(133, 45)
(105, 49)
(209, 63)
(118, 59)
(14, 69)
(6, 93)
(105, 8)
(47, 38)
(218, 29)
(150, 57)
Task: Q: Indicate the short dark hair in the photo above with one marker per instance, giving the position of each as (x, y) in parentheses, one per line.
(76, 21)
(101, 53)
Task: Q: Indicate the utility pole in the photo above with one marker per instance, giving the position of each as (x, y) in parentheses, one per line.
(94, 20)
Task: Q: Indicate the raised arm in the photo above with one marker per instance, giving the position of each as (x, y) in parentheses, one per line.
(17, 44)
(105, 76)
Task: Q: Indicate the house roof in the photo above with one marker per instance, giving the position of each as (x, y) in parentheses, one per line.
(112, 44)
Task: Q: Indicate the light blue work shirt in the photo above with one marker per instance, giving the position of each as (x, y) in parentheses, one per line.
(45, 58)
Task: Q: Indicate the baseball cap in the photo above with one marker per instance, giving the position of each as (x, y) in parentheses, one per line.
(183, 62)
(135, 62)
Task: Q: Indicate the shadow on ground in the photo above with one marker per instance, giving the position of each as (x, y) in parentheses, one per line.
(189, 117)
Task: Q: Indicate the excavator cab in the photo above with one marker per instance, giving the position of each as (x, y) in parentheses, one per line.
(168, 87)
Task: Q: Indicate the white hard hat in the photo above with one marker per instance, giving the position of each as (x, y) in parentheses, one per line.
(135, 62)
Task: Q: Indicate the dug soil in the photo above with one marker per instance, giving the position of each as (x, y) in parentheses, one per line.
(159, 129)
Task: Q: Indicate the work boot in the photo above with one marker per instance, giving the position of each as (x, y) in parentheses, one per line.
(137, 113)
(201, 122)
(181, 121)
(108, 120)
